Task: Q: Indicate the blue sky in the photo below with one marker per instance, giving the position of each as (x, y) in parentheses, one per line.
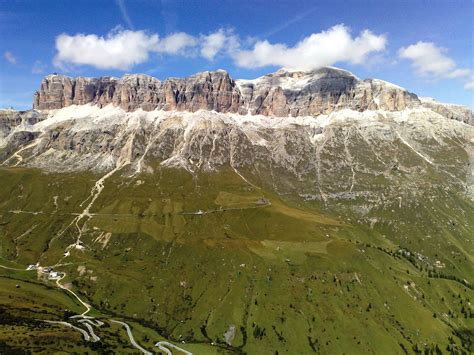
(424, 46)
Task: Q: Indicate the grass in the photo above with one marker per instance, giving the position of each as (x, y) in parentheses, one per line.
(293, 277)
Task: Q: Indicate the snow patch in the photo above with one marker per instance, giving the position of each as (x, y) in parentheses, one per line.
(386, 83)
(88, 117)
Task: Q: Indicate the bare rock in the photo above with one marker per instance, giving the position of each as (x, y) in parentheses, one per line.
(283, 93)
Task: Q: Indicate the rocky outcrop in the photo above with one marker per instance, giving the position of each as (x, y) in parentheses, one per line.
(204, 91)
(322, 91)
(451, 111)
(58, 91)
(279, 94)
(11, 120)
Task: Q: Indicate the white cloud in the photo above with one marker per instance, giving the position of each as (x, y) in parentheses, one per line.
(221, 40)
(10, 57)
(176, 43)
(469, 85)
(315, 51)
(458, 73)
(38, 67)
(123, 49)
(120, 49)
(430, 60)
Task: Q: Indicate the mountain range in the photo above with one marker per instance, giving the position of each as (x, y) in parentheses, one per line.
(274, 215)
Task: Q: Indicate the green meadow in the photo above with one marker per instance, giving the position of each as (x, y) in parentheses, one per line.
(216, 265)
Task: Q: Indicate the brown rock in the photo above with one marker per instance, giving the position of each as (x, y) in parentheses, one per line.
(279, 94)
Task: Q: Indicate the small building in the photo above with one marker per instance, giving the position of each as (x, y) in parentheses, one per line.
(262, 201)
(53, 275)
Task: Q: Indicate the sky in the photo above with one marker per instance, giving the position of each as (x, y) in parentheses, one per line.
(424, 46)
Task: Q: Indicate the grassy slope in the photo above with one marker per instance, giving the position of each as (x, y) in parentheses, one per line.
(289, 277)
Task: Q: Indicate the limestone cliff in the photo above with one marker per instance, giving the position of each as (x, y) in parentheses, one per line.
(284, 93)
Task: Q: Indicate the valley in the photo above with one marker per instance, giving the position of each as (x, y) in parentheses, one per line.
(334, 268)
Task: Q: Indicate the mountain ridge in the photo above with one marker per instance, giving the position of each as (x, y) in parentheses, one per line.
(283, 93)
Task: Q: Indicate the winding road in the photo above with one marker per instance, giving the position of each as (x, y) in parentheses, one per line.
(83, 332)
(61, 286)
(84, 320)
(130, 335)
(164, 346)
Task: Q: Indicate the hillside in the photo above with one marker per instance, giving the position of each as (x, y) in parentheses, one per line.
(275, 215)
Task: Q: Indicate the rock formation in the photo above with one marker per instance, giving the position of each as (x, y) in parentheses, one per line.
(208, 91)
(284, 93)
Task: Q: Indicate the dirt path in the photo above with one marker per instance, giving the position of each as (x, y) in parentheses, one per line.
(201, 212)
(17, 153)
(12, 268)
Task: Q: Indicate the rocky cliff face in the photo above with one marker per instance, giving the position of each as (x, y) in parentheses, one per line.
(451, 111)
(321, 91)
(283, 93)
(11, 121)
(207, 91)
